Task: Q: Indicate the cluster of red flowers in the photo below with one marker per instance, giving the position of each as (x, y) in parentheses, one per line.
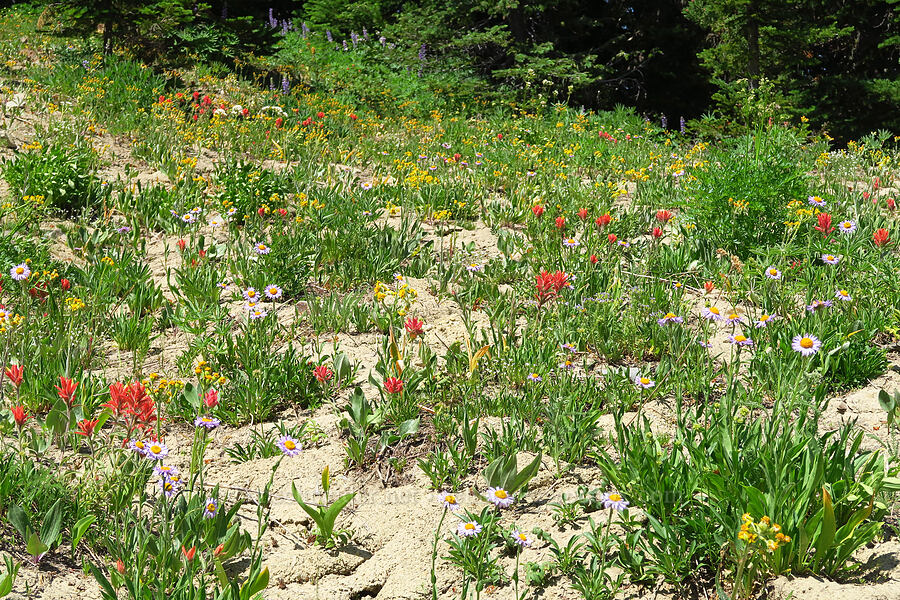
(548, 285)
(131, 406)
(824, 224)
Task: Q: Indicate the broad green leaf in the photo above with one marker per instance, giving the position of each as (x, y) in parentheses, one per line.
(35, 547)
(826, 536)
(52, 524)
(108, 592)
(260, 582)
(19, 520)
(80, 528)
(524, 476)
(331, 514)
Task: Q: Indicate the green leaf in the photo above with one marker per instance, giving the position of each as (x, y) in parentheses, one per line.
(19, 520)
(260, 582)
(326, 480)
(35, 547)
(886, 401)
(108, 592)
(826, 536)
(314, 513)
(524, 476)
(331, 514)
(80, 528)
(192, 396)
(52, 524)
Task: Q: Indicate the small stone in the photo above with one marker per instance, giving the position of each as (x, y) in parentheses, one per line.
(842, 407)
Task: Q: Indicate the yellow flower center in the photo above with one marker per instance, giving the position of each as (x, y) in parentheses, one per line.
(290, 445)
(501, 494)
(155, 449)
(829, 257)
(773, 272)
(211, 507)
(615, 497)
(765, 318)
(806, 343)
(733, 316)
(740, 338)
(669, 316)
(714, 310)
(451, 499)
(843, 293)
(470, 526)
(645, 381)
(19, 270)
(273, 291)
(523, 537)
(252, 294)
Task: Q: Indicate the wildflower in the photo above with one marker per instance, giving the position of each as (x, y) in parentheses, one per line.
(210, 508)
(594, 260)
(165, 470)
(816, 201)
(322, 373)
(709, 286)
(392, 385)
(824, 224)
(20, 272)
(261, 248)
(258, 313)
(86, 427)
(65, 284)
(138, 446)
(614, 501)
(170, 485)
(250, 294)
(818, 304)
(548, 285)
(534, 377)
(206, 421)
(273, 292)
(366, 185)
(569, 347)
(664, 216)
(603, 220)
(14, 373)
(670, 318)
(830, 259)
(764, 320)
(414, 327)
(567, 365)
(499, 497)
(712, 313)
(473, 268)
(156, 451)
(288, 445)
(734, 318)
(520, 539)
(538, 210)
(847, 227)
(570, 243)
(66, 390)
(216, 221)
(582, 214)
(612, 238)
(843, 295)
(773, 273)
(188, 218)
(807, 344)
(468, 529)
(189, 554)
(19, 416)
(644, 382)
(879, 238)
(740, 340)
(560, 223)
(448, 500)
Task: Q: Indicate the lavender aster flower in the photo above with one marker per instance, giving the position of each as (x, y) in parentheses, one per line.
(807, 345)
(468, 529)
(614, 501)
(210, 508)
(206, 421)
(288, 445)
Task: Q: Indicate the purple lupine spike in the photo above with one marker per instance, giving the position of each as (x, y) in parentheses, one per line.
(345, 45)
(354, 38)
(328, 35)
(422, 51)
(285, 85)
(285, 27)
(665, 122)
(682, 125)
(382, 40)
(304, 29)
(273, 22)
(365, 34)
